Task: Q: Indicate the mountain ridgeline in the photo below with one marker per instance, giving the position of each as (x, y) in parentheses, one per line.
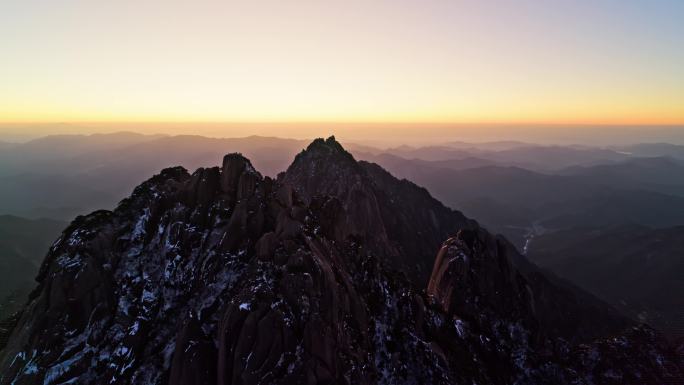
(335, 272)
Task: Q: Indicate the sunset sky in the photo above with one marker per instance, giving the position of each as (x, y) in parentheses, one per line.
(439, 61)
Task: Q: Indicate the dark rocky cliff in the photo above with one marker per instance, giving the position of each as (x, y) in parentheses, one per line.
(318, 277)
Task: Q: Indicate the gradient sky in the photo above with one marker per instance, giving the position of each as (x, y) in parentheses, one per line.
(512, 61)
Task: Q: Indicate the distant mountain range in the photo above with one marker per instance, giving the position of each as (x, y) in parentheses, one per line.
(662, 174)
(61, 176)
(653, 149)
(534, 157)
(638, 269)
(513, 200)
(23, 245)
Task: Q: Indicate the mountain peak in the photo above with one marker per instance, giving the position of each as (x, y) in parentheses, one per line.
(325, 148)
(329, 144)
(323, 168)
(324, 160)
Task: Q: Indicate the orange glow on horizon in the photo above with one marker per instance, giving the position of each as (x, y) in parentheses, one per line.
(382, 62)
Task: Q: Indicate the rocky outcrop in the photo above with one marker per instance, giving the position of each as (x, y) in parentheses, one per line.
(227, 277)
(474, 274)
(396, 219)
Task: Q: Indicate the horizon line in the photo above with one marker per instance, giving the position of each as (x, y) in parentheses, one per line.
(354, 122)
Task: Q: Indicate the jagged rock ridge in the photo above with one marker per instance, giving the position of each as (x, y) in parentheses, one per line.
(227, 277)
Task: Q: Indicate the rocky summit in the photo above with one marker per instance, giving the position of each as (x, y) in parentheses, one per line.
(335, 272)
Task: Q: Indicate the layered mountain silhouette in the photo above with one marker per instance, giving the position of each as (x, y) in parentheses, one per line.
(510, 200)
(23, 244)
(62, 176)
(638, 269)
(335, 272)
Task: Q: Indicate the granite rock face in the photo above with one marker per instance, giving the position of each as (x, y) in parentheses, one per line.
(334, 273)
